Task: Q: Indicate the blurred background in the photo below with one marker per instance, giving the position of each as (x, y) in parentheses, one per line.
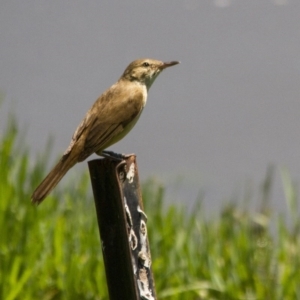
(214, 123)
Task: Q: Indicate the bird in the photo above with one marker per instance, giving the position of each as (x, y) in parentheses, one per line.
(109, 119)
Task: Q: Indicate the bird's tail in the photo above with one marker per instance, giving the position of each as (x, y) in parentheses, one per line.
(52, 179)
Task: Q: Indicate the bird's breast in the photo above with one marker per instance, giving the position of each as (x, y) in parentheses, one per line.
(138, 92)
(145, 94)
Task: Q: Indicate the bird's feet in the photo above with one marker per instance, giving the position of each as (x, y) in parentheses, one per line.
(114, 155)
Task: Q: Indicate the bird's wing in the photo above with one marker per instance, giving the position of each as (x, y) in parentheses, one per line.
(105, 121)
(86, 123)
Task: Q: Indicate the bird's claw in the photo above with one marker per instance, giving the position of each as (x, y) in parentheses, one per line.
(114, 155)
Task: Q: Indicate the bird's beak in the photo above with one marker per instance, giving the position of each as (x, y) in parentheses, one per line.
(169, 64)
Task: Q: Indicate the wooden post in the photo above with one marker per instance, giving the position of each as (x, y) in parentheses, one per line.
(122, 226)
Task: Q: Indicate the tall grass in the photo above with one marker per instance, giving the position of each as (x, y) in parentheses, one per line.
(53, 251)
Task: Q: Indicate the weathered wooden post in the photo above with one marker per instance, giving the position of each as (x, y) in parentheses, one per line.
(123, 230)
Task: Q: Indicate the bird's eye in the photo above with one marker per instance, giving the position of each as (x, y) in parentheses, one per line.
(146, 64)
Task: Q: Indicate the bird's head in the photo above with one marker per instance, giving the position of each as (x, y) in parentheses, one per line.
(146, 70)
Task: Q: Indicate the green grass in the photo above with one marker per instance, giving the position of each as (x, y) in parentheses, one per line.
(53, 251)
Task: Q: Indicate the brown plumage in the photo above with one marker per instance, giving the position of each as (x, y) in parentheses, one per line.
(110, 118)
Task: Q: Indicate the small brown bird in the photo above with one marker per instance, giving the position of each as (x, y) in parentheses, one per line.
(110, 118)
